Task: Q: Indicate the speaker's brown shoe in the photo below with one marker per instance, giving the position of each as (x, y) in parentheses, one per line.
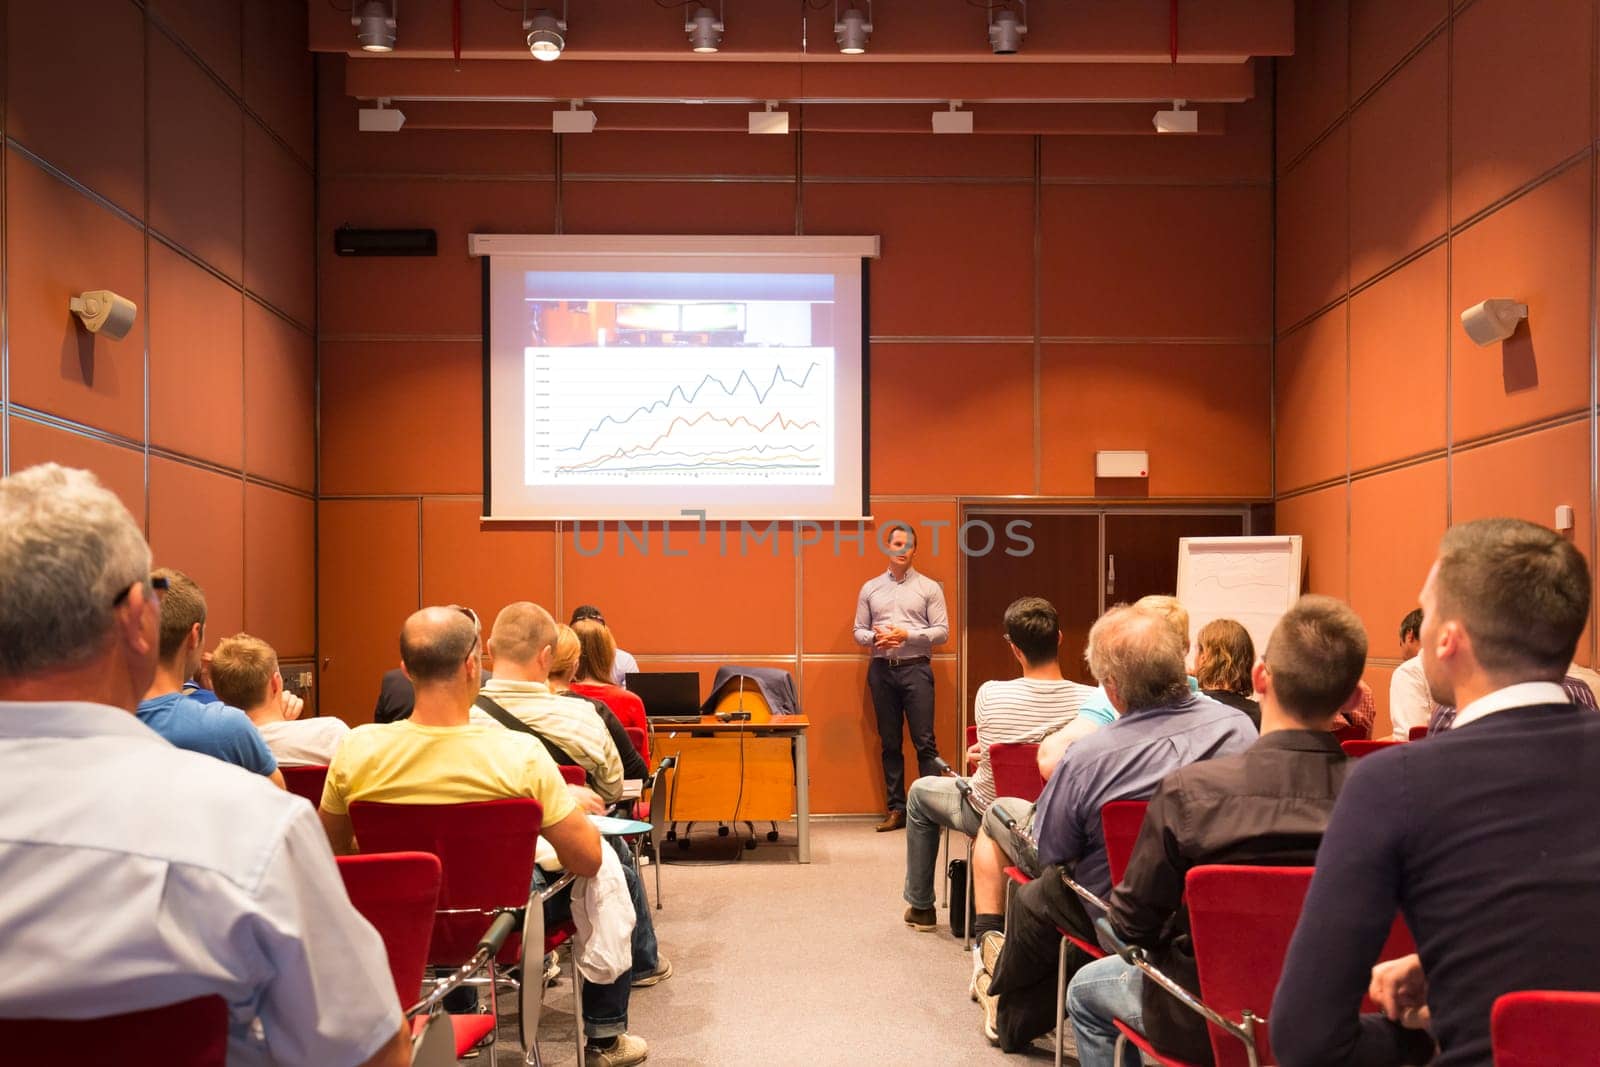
(895, 820)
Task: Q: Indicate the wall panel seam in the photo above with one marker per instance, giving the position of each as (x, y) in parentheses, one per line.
(75, 185)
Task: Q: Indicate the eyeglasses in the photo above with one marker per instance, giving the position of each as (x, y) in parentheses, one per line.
(157, 584)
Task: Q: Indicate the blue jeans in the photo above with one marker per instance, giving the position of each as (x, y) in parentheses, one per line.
(933, 804)
(1100, 992)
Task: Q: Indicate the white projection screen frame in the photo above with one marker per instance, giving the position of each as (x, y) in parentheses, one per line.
(641, 378)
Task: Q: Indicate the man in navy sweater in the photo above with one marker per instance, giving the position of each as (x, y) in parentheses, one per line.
(1484, 837)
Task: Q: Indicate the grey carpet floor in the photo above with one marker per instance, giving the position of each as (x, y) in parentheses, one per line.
(777, 963)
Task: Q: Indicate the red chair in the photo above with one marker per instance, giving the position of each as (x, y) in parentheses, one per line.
(573, 775)
(640, 740)
(486, 852)
(1120, 821)
(190, 1033)
(1417, 733)
(1351, 733)
(1533, 1028)
(1357, 749)
(306, 782)
(972, 739)
(1016, 770)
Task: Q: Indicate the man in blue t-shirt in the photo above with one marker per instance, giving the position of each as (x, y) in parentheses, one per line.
(211, 728)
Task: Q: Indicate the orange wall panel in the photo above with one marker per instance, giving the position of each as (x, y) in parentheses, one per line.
(69, 243)
(196, 197)
(1313, 90)
(1520, 71)
(367, 584)
(119, 468)
(1398, 165)
(610, 153)
(1536, 249)
(736, 598)
(278, 73)
(956, 259)
(1322, 521)
(211, 29)
(279, 220)
(197, 526)
(834, 569)
(1527, 477)
(484, 567)
(1312, 403)
(1397, 364)
(982, 397)
(435, 295)
(1201, 411)
(1382, 32)
(1205, 251)
(402, 417)
(678, 207)
(56, 75)
(196, 361)
(1396, 520)
(279, 567)
(280, 417)
(856, 155)
(1312, 235)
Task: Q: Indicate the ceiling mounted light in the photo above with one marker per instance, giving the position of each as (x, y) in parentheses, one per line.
(375, 24)
(1177, 120)
(380, 119)
(1006, 30)
(769, 121)
(574, 120)
(953, 121)
(852, 29)
(704, 28)
(547, 34)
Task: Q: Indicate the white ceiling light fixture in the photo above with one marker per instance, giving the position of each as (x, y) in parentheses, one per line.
(375, 24)
(770, 120)
(547, 34)
(380, 119)
(852, 29)
(1177, 120)
(953, 121)
(573, 120)
(705, 28)
(1006, 30)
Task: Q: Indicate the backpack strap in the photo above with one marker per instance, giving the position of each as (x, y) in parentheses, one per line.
(511, 722)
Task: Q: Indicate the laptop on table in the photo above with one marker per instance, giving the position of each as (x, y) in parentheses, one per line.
(668, 696)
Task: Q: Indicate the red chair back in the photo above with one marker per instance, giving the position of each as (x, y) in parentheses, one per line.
(1119, 824)
(1357, 749)
(1016, 770)
(972, 739)
(190, 1033)
(639, 739)
(306, 782)
(573, 775)
(1351, 733)
(397, 893)
(1417, 733)
(1534, 1028)
(485, 849)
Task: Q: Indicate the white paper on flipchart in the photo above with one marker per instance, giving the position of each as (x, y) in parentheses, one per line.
(1252, 580)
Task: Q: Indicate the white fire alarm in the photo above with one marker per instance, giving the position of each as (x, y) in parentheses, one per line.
(1122, 464)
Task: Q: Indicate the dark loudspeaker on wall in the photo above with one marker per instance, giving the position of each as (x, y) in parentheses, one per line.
(353, 242)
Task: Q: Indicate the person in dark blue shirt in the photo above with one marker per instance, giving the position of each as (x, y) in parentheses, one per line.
(211, 728)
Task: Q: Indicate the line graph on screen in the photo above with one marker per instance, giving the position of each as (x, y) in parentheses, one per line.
(674, 415)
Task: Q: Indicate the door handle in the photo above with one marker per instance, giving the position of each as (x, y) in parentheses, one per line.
(1111, 575)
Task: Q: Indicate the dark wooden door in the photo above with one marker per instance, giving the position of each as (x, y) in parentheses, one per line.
(1063, 568)
(1142, 551)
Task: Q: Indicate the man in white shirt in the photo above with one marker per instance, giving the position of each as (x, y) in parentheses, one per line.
(244, 673)
(138, 874)
(1007, 711)
(1410, 704)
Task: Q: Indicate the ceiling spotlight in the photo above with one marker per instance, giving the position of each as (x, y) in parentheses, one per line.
(704, 28)
(374, 21)
(769, 121)
(574, 120)
(547, 34)
(1177, 120)
(1006, 31)
(380, 119)
(852, 29)
(953, 121)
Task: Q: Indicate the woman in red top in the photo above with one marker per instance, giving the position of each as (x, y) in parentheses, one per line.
(598, 653)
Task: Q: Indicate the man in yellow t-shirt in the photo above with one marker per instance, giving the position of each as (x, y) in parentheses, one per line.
(440, 756)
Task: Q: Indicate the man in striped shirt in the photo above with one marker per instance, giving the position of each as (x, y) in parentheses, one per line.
(1014, 711)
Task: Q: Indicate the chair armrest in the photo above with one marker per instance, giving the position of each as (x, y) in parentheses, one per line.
(1108, 936)
(506, 920)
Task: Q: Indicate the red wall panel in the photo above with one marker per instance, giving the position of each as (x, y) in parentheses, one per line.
(196, 360)
(1397, 364)
(367, 584)
(1313, 230)
(197, 526)
(280, 386)
(1312, 403)
(119, 469)
(1396, 520)
(279, 550)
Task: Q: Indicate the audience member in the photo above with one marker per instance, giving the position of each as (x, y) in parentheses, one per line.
(1483, 837)
(1267, 806)
(214, 729)
(1410, 703)
(1361, 715)
(522, 643)
(1014, 710)
(441, 756)
(1224, 659)
(624, 664)
(136, 874)
(1137, 655)
(596, 657)
(395, 695)
(245, 671)
(563, 665)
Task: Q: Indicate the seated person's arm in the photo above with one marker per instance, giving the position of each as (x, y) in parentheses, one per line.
(1151, 890)
(341, 835)
(396, 1053)
(1052, 748)
(276, 778)
(577, 843)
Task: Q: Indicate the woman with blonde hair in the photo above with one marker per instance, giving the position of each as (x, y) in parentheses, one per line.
(597, 654)
(563, 666)
(1223, 659)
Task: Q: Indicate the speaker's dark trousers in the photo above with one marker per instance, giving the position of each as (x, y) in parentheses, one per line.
(903, 692)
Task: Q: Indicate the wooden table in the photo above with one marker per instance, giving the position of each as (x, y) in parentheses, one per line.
(678, 736)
